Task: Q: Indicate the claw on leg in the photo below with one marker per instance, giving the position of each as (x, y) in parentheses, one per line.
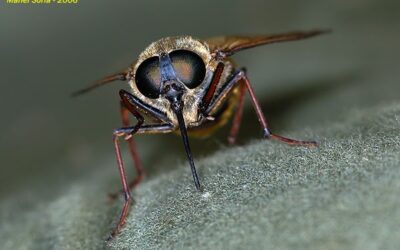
(122, 219)
(293, 142)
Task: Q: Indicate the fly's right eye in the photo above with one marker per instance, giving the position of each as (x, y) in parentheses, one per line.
(189, 67)
(148, 78)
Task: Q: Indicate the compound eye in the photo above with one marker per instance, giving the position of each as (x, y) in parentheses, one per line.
(148, 78)
(189, 67)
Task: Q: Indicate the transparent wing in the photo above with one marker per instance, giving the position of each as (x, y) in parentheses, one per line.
(105, 80)
(228, 45)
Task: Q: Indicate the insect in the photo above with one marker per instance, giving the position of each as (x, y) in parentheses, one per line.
(189, 86)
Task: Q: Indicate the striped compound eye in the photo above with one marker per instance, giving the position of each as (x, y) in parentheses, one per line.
(148, 78)
(189, 67)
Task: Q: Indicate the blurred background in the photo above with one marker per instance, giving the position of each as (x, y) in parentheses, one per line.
(49, 140)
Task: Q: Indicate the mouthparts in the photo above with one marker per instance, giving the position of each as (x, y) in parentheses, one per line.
(177, 106)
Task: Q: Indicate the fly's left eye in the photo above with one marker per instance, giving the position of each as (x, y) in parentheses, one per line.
(148, 78)
(189, 67)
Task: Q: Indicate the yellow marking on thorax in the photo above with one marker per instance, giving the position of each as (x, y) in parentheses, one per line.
(211, 128)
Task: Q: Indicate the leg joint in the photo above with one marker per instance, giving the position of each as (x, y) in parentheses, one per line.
(240, 74)
(127, 196)
(127, 132)
(266, 133)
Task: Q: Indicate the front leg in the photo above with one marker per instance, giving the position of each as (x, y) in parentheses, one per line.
(127, 133)
(263, 120)
(130, 104)
(132, 145)
(240, 78)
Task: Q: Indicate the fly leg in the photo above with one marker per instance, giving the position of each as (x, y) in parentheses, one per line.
(127, 133)
(238, 116)
(263, 121)
(132, 148)
(240, 78)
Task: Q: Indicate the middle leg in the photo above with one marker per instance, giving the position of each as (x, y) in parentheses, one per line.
(237, 119)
